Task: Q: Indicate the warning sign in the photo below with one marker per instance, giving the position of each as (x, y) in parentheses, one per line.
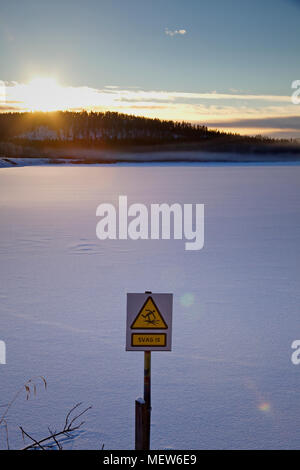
(149, 322)
(149, 317)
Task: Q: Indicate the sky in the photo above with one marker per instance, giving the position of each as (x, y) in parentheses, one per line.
(225, 64)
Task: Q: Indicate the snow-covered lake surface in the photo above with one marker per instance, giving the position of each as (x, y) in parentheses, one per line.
(229, 381)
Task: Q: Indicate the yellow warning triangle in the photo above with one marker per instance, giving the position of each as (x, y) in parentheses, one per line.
(149, 317)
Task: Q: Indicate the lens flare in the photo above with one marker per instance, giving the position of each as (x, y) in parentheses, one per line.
(265, 407)
(187, 299)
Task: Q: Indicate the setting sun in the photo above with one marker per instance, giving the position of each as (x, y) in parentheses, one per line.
(43, 94)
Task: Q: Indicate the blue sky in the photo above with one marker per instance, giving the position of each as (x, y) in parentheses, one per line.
(244, 47)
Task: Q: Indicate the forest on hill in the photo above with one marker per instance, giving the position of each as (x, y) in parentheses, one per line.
(31, 132)
(97, 127)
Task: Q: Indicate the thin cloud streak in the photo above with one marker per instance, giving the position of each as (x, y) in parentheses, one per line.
(288, 122)
(171, 96)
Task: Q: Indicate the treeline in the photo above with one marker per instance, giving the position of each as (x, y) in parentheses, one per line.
(83, 126)
(112, 127)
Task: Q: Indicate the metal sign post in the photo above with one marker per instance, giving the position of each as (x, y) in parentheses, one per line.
(147, 394)
(149, 328)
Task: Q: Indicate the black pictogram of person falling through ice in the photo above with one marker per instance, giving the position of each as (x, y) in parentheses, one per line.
(150, 317)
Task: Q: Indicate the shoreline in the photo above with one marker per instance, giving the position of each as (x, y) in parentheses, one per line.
(158, 157)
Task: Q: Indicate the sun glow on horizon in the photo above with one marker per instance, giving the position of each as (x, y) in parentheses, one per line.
(43, 94)
(46, 94)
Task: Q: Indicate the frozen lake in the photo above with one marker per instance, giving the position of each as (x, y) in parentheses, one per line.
(229, 381)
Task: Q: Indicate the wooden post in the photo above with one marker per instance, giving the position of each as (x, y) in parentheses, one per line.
(147, 395)
(140, 424)
(143, 409)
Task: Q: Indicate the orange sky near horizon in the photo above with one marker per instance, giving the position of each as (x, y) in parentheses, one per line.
(232, 111)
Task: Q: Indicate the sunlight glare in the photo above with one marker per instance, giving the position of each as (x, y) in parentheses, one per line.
(43, 94)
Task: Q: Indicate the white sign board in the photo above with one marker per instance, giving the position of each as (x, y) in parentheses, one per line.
(149, 322)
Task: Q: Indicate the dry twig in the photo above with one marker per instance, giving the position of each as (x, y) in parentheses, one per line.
(69, 427)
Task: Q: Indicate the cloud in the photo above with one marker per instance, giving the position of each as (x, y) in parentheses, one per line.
(138, 95)
(174, 32)
(6, 108)
(276, 122)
